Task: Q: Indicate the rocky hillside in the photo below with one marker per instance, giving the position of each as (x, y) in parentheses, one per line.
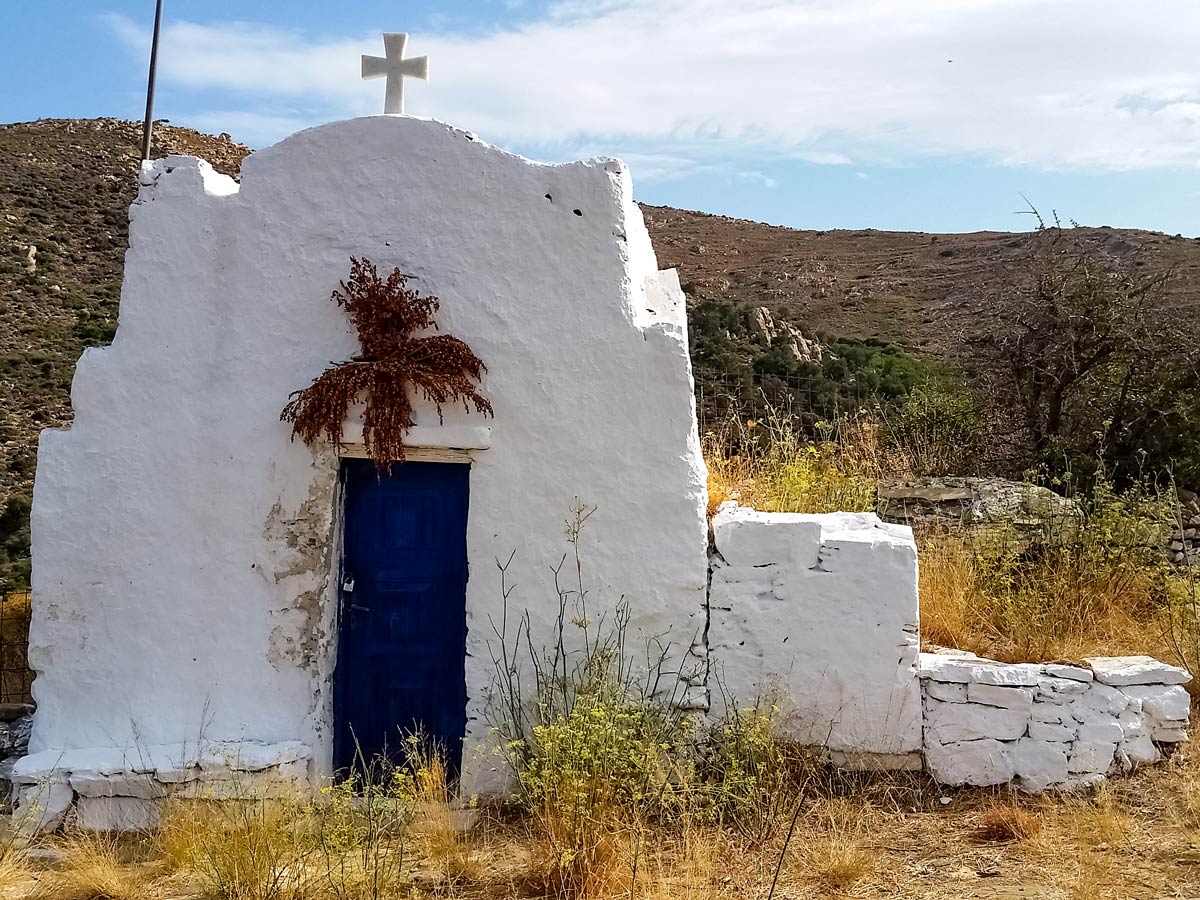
(929, 292)
(65, 191)
(66, 186)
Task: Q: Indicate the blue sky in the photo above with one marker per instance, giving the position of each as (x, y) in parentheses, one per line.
(934, 115)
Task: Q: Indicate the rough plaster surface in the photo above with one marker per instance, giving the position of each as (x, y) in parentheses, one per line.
(819, 614)
(184, 547)
(1047, 726)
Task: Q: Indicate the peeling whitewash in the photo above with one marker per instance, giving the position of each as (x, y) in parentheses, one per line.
(186, 550)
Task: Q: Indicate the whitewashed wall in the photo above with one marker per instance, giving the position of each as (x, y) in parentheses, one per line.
(817, 614)
(1048, 726)
(183, 545)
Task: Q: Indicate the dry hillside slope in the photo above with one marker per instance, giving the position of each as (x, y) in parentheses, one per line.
(929, 292)
(66, 186)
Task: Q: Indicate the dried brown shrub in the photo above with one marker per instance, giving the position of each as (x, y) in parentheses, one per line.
(388, 316)
(1003, 822)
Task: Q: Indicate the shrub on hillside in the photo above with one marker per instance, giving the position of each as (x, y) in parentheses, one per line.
(1095, 362)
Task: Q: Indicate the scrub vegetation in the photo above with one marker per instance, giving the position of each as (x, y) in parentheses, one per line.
(1098, 582)
(619, 796)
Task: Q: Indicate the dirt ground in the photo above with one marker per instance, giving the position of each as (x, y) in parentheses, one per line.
(1136, 837)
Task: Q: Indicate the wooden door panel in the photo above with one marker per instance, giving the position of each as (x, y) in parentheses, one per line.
(402, 635)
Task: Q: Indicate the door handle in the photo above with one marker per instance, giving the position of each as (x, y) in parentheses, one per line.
(356, 608)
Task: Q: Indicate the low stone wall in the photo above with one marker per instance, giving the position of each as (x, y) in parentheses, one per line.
(16, 724)
(1184, 545)
(817, 614)
(1027, 513)
(1047, 726)
(113, 790)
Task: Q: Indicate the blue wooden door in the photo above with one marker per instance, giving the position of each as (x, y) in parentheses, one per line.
(402, 633)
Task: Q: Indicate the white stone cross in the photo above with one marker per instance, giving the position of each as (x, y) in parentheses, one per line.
(396, 68)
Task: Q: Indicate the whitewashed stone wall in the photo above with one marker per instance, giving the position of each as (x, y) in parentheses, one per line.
(125, 790)
(1048, 726)
(819, 616)
(184, 547)
(818, 613)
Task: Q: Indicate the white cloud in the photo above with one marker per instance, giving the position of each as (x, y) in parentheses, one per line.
(756, 177)
(1087, 84)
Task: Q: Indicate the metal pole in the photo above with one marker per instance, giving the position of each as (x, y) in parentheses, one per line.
(149, 124)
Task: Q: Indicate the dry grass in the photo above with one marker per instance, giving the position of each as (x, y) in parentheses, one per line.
(771, 466)
(247, 848)
(16, 878)
(98, 867)
(865, 838)
(835, 848)
(1064, 603)
(440, 824)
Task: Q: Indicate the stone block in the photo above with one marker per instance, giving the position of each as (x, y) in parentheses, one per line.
(1133, 725)
(251, 756)
(947, 691)
(1018, 675)
(1096, 756)
(997, 695)
(179, 775)
(947, 723)
(946, 669)
(1074, 673)
(1139, 750)
(835, 641)
(95, 785)
(1063, 689)
(1109, 732)
(1169, 734)
(1099, 698)
(746, 537)
(1120, 671)
(1049, 731)
(1038, 764)
(978, 763)
(111, 813)
(42, 806)
(1161, 702)
(1056, 713)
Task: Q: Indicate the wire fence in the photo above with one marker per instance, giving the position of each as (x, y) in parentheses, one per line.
(16, 677)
